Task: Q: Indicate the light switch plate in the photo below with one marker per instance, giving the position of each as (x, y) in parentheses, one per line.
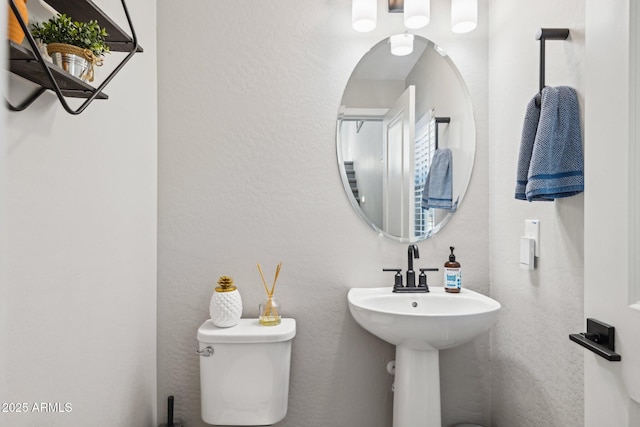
(532, 230)
(527, 248)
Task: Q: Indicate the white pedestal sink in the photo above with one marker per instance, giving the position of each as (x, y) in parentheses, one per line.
(421, 324)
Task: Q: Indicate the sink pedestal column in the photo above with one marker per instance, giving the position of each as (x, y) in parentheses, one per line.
(416, 399)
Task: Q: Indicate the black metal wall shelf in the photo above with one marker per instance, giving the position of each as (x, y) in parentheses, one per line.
(29, 63)
(24, 63)
(86, 10)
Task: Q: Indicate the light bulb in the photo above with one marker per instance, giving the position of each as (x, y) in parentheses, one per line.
(401, 44)
(464, 15)
(417, 13)
(364, 14)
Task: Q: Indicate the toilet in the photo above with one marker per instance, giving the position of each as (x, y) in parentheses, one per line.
(244, 372)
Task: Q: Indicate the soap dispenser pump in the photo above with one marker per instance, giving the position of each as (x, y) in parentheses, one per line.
(452, 274)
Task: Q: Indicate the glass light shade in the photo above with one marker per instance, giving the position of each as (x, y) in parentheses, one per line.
(464, 15)
(401, 44)
(364, 15)
(417, 13)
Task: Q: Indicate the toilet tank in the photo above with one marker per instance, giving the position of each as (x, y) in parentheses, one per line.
(245, 381)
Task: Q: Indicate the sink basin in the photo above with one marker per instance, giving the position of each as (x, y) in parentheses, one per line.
(421, 324)
(423, 321)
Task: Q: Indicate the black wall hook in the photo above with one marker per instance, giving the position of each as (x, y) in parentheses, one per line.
(544, 34)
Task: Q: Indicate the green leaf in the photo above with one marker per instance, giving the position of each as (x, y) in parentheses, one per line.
(62, 29)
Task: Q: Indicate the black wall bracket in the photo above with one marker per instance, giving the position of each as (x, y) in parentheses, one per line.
(599, 338)
(543, 35)
(440, 120)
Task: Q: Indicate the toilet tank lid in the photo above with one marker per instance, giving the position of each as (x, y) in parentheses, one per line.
(247, 331)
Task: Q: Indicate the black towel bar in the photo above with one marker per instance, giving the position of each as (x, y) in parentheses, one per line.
(544, 34)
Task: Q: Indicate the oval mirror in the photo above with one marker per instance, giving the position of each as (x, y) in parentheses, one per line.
(406, 140)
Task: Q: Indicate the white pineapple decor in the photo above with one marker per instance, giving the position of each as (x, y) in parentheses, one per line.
(226, 305)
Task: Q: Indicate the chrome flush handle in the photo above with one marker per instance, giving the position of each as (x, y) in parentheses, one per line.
(205, 352)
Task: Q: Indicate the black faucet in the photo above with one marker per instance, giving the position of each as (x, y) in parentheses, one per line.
(412, 253)
(411, 275)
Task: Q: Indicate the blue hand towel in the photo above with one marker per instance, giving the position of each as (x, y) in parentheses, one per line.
(556, 162)
(438, 187)
(529, 129)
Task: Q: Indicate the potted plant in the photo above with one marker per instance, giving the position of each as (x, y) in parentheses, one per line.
(74, 46)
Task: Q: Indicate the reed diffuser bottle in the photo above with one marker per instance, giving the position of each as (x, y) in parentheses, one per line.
(225, 308)
(269, 309)
(269, 312)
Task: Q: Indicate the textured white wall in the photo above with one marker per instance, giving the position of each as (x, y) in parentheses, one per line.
(248, 172)
(536, 370)
(79, 251)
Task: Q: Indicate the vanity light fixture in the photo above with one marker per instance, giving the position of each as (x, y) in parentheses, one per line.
(364, 15)
(417, 14)
(401, 44)
(464, 15)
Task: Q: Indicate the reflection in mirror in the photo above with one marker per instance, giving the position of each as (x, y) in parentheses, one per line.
(406, 140)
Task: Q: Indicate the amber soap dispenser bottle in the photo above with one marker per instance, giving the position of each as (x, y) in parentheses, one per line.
(452, 274)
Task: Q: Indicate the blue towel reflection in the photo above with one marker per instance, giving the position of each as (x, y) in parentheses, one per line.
(438, 187)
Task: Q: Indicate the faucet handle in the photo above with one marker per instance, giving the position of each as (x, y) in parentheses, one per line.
(397, 283)
(422, 278)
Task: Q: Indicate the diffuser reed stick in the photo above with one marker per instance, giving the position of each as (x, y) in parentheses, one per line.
(269, 309)
(264, 282)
